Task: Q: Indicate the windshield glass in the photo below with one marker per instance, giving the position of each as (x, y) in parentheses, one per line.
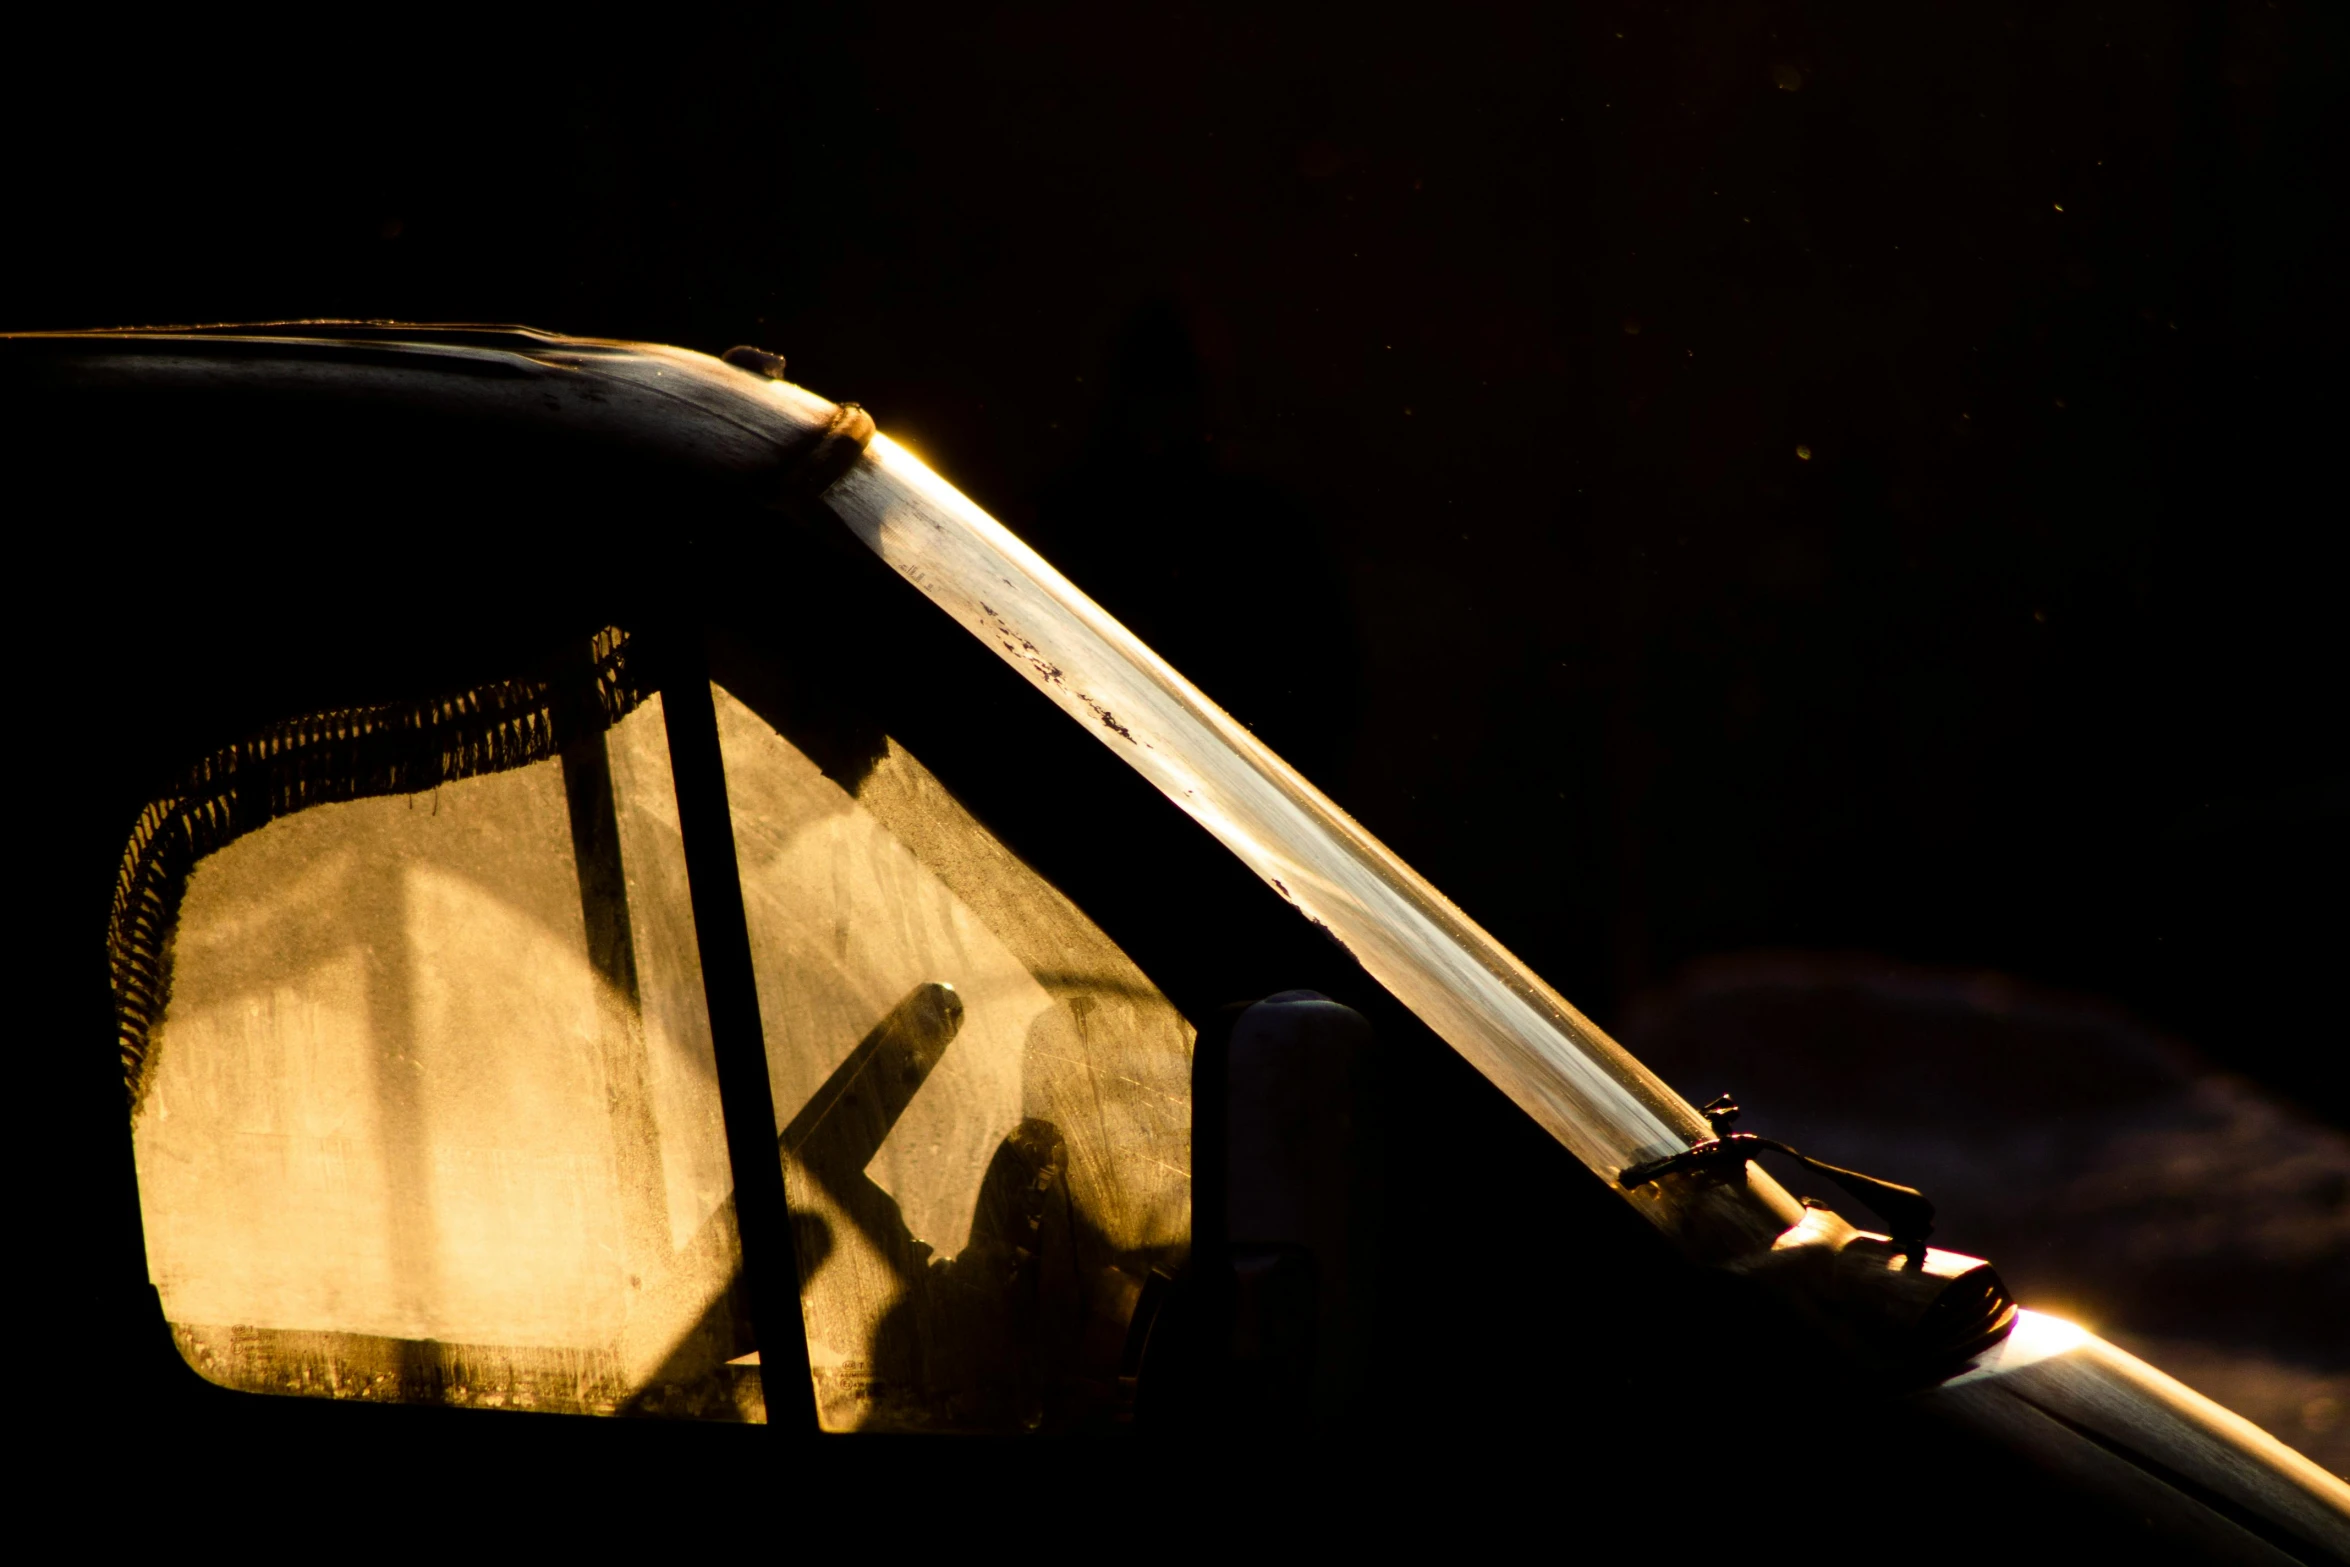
(1559, 1067)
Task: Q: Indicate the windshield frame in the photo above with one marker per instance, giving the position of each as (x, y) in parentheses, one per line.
(1558, 1066)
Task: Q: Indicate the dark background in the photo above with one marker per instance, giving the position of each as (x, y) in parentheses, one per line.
(1435, 390)
(1696, 479)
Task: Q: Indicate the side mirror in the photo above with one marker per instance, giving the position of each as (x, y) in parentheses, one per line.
(1269, 1330)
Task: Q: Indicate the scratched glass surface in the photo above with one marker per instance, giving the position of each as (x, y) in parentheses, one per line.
(985, 1106)
(431, 1120)
(410, 1136)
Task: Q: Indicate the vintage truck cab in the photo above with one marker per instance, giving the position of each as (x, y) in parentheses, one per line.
(640, 932)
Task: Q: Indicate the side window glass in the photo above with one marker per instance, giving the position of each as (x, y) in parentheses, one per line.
(986, 1104)
(425, 1109)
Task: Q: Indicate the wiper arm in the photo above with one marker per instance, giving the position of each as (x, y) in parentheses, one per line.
(1908, 1215)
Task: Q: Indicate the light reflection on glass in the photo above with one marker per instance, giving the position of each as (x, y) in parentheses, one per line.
(431, 1112)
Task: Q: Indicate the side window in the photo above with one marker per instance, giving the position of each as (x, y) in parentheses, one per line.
(425, 1108)
(991, 1145)
(428, 1101)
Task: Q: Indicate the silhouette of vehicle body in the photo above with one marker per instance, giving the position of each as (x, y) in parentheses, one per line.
(590, 930)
